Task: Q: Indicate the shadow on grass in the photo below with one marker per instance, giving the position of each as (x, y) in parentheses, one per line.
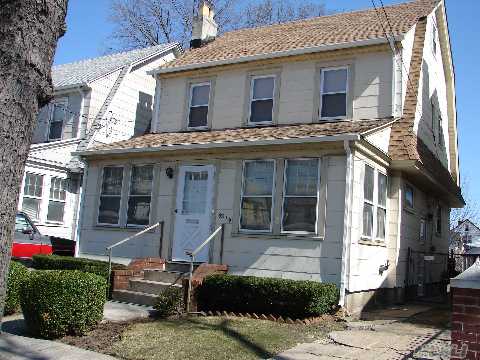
(225, 327)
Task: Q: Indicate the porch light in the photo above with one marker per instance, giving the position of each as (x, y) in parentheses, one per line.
(169, 172)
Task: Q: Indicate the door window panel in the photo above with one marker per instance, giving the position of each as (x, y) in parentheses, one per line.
(195, 192)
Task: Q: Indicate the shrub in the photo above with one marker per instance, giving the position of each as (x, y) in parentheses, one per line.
(170, 302)
(54, 262)
(248, 294)
(17, 272)
(57, 303)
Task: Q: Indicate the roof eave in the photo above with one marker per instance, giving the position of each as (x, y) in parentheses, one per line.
(316, 139)
(273, 55)
(63, 88)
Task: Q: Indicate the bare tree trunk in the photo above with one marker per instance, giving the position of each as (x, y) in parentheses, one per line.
(29, 31)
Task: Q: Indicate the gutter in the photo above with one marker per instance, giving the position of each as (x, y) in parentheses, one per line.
(274, 55)
(347, 219)
(226, 144)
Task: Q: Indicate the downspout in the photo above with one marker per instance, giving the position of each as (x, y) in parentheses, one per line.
(81, 210)
(346, 243)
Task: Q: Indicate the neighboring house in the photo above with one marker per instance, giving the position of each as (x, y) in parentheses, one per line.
(327, 155)
(465, 236)
(96, 101)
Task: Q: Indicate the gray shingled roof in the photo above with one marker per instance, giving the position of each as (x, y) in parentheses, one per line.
(85, 71)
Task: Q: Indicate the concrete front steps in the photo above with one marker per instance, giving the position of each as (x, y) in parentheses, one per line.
(144, 291)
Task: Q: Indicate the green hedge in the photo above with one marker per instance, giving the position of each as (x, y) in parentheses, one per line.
(248, 294)
(54, 262)
(17, 272)
(57, 303)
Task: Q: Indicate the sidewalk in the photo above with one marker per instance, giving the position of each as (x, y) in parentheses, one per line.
(15, 347)
(417, 336)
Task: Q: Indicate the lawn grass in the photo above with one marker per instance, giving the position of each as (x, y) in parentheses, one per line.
(214, 338)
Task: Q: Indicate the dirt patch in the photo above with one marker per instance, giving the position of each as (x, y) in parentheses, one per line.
(103, 336)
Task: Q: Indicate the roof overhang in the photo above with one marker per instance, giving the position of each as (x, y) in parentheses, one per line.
(414, 170)
(219, 145)
(273, 55)
(66, 88)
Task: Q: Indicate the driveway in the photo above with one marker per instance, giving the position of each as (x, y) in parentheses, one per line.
(410, 332)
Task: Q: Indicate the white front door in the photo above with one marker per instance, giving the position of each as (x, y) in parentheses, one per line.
(194, 211)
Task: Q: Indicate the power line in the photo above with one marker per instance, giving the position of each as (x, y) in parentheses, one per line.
(393, 45)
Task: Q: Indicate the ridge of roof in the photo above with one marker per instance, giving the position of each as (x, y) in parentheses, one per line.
(328, 30)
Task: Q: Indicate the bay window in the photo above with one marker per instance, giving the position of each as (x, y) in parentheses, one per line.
(32, 195)
(56, 203)
(333, 93)
(262, 93)
(111, 195)
(257, 195)
(374, 204)
(198, 105)
(140, 196)
(300, 195)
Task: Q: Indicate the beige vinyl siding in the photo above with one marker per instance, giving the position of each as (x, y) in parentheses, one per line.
(370, 86)
(308, 258)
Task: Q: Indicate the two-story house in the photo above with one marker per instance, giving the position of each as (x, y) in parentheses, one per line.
(328, 146)
(96, 101)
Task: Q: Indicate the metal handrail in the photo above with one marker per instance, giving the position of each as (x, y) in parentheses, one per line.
(111, 247)
(192, 255)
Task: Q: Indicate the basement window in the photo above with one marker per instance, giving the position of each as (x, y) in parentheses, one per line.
(198, 105)
(262, 93)
(333, 93)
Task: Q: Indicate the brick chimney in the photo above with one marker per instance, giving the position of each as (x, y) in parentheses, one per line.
(204, 27)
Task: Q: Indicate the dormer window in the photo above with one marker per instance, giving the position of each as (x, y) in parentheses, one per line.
(198, 106)
(262, 93)
(333, 93)
(58, 116)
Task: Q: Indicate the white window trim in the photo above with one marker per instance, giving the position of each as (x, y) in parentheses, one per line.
(250, 231)
(58, 201)
(346, 92)
(100, 195)
(64, 103)
(130, 173)
(375, 204)
(252, 81)
(39, 198)
(284, 195)
(190, 106)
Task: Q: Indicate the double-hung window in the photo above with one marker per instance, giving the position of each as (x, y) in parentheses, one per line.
(32, 195)
(374, 204)
(257, 195)
(262, 94)
(140, 196)
(300, 195)
(56, 203)
(333, 93)
(111, 195)
(57, 119)
(198, 105)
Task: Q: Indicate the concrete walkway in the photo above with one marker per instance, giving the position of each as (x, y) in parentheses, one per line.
(14, 345)
(414, 337)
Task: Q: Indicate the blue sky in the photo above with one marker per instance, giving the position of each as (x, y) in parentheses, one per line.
(88, 31)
